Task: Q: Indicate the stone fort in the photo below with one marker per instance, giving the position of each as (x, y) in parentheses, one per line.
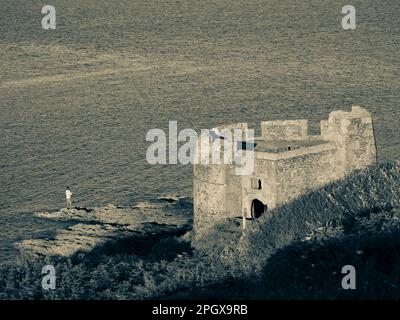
(288, 162)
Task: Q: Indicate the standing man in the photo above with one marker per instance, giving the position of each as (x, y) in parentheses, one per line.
(68, 195)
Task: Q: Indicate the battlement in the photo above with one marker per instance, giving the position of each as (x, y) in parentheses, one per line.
(339, 121)
(284, 130)
(288, 149)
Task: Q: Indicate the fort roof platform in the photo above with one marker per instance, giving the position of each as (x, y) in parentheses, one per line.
(279, 146)
(285, 149)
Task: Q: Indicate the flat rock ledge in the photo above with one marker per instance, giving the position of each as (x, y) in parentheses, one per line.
(97, 226)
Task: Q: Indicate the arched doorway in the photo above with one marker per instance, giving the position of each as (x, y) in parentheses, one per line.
(257, 208)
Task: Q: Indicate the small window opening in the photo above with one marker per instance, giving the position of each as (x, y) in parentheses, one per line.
(256, 184)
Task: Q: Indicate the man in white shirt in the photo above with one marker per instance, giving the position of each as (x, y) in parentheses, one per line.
(68, 195)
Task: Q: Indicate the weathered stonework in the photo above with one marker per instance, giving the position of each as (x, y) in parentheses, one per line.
(288, 162)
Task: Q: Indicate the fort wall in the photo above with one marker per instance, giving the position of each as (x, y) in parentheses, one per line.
(208, 196)
(304, 173)
(265, 170)
(353, 134)
(284, 130)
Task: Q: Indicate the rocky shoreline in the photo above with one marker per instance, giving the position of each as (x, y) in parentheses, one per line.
(98, 226)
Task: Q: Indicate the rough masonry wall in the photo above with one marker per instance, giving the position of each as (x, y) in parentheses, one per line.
(233, 195)
(353, 134)
(284, 130)
(208, 197)
(265, 170)
(305, 173)
(360, 144)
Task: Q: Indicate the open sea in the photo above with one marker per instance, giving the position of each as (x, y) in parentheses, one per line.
(76, 102)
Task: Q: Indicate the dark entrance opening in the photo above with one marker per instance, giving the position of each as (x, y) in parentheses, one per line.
(257, 209)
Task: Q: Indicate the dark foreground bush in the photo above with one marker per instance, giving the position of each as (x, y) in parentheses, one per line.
(118, 276)
(313, 269)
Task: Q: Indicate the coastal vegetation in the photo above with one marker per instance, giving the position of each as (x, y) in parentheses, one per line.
(297, 253)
